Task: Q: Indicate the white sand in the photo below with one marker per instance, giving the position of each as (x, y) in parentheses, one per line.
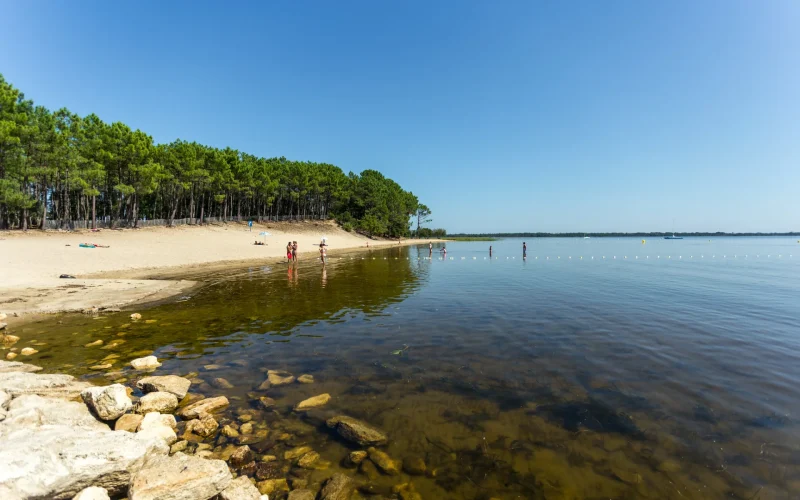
(30, 263)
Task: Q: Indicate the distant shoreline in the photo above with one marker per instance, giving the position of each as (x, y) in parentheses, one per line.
(457, 236)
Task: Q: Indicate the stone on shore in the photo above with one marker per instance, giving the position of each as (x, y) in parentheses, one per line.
(202, 407)
(157, 420)
(128, 422)
(51, 385)
(179, 477)
(384, 462)
(311, 403)
(159, 402)
(58, 461)
(357, 431)
(241, 489)
(108, 403)
(18, 366)
(173, 384)
(28, 351)
(306, 379)
(338, 487)
(30, 411)
(204, 426)
(145, 363)
(279, 377)
(92, 493)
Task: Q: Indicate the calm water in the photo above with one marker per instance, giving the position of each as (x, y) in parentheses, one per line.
(597, 368)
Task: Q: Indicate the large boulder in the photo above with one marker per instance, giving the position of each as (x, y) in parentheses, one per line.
(30, 411)
(157, 420)
(58, 461)
(356, 431)
(17, 366)
(108, 403)
(179, 477)
(128, 422)
(159, 402)
(203, 407)
(338, 487)
(92, 493)
(241, 489)
(145, 363)
(174, 384)
(18, 383)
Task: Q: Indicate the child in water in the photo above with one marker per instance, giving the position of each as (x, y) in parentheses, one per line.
(289, 251)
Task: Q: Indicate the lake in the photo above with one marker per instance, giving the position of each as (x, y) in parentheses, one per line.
(595, 368)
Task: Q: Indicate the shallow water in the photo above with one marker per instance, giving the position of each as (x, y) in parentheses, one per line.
(595, 368)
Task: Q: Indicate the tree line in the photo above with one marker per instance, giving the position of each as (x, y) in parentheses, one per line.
(60, 166)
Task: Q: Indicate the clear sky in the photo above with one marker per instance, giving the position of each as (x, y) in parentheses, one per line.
(501, 116)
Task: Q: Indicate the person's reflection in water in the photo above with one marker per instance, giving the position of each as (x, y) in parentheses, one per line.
(324, 276)
(490, 251)
(293, 274)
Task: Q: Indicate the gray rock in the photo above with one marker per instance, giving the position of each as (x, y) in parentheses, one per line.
(58, 461)
(108, 403)
(30, 411)
(17, 366)
(202, 407)
(338, 487)
(159, 402)
(145, 363)
(242, 489)
(179, 477)
(174, 384)
(301, 495)
(92, 493)
(357, 431)
(63, 386)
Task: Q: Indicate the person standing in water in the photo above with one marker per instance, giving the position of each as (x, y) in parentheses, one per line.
(322, 253)
(490, 251)
(289, 251)
(294, 251)
(524, 250)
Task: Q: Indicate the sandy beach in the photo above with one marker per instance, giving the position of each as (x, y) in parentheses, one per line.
(32, 262)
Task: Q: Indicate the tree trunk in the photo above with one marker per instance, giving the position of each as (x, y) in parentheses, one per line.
(135, 211)
(94, 212)
(44, 206)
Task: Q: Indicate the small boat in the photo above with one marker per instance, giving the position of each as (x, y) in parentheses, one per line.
(673, 237)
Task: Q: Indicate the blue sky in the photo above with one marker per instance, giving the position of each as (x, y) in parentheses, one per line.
(501, 116)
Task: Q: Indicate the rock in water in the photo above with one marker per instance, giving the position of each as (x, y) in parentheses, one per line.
(108, 403)
(11, 356)
(221, 383)
(314, 402)
(266, 402)
(241, 456)
(296, 453)
(357, 431)
(279, 377)
(136, 316)
(18, 366)
(59, 386)
(159, 402)
(92, 493)
(94, 344)
(128, 422)
(356, 457)
(301, 495)
(173, 384)
(58, 461)
(205, 426)
(338, 487)
(208, 405)
(268, 470)
(241, 489)
(384, 462)
(414, 466)
(179, 477)
(145, 363)
(306, 379)
(28, 351)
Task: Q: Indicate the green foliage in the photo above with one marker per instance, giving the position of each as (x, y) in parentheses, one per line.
(69, 167)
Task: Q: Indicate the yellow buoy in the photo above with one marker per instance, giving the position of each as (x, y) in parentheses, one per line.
(643, 241)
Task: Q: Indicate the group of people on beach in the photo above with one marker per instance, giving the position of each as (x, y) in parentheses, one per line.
(291, 251)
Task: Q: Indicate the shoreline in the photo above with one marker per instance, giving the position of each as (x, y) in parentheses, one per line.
(146, 266)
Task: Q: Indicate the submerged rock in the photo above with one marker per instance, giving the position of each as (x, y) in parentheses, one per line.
(178, 446)
(92, 493)
(145, 363)
(108, 403)
(173, 384)
(357, 431)
(94, 344)
(279, 377)
(356, 457)
(159, 402)
(302, 494)
(414, 466)
(266, 403)
(308, 460)
(221, 383)
(306, 379)
(28, 351)
(296, 453)
(240, 489)
(384, 462)
(314, 402)
(128, 422)
(11, 356)
(268, 470)
(241, 456)
(406, 491)
(338, 487)
(205, 426)
(179, 477)
(204, 406)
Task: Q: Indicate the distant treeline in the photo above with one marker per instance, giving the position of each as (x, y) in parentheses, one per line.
(58, 165)
(610, 235)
